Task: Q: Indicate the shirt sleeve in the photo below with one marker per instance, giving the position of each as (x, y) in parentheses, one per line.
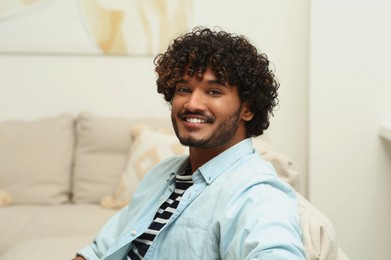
(262, 223)
(105, 238)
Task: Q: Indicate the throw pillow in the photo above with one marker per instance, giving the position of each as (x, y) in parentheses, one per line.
(36, 159)
(284, 166)
(148, 148)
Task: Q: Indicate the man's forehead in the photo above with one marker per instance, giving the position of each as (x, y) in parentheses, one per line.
(207, 78)
(207, 75)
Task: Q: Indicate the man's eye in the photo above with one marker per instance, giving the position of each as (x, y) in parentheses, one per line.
(214, 92)
(182, 89)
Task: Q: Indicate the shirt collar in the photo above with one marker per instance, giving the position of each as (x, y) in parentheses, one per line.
(219, 164)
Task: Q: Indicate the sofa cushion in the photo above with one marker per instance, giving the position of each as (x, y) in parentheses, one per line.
(102, 145)
(100, 156)
(148, 148)
(47, 248)
(21, 223)
(36, 159)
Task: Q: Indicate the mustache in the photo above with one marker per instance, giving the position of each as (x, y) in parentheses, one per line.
(208, 118)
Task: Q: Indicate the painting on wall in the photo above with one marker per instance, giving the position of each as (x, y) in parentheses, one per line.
(111, 27)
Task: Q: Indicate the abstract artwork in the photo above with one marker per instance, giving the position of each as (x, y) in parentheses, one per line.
(113, 27)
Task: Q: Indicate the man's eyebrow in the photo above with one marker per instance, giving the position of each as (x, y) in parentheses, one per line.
(181, 81)
(218, 82)
(210, 82)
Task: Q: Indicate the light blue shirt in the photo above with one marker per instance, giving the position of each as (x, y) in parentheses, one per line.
(237, 208)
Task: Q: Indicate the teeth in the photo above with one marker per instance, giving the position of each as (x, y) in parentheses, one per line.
(195, 120)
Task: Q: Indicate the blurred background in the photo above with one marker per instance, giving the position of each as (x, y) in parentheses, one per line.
(332, 59)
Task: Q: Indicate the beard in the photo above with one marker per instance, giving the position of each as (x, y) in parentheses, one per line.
(225, 132)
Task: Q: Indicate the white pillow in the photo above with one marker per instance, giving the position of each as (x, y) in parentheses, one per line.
(148, 148)
(284, 166)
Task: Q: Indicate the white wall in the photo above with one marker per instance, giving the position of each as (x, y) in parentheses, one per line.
(32, 86)
(350, 93)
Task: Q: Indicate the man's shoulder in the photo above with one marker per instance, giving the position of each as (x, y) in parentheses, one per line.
(254, 164)
(256, 171)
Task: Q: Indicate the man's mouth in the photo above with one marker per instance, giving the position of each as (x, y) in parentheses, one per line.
(193, 120)
(196, 118)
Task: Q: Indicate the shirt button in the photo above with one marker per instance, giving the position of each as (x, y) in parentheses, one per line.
(133, 232)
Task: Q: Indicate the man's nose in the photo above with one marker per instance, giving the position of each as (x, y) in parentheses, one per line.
(196, 101)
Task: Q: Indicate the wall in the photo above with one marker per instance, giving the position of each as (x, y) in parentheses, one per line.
(39, 85)
(350, 92)
(32, 86)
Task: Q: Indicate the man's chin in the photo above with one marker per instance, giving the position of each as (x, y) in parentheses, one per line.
(194, 142)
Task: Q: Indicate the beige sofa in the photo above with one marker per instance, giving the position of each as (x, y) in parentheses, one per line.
(62, 177)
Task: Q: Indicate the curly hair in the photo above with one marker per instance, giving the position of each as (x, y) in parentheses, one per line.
(233, 60)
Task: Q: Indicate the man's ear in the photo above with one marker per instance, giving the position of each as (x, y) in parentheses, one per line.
(247, 114)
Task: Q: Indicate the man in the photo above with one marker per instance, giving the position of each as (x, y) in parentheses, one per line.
(222, 201)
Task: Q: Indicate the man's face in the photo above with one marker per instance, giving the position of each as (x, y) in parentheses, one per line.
(207, 113)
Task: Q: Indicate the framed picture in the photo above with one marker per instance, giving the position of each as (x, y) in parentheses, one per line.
(108, 27)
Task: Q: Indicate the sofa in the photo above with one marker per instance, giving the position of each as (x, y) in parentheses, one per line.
(62, 177)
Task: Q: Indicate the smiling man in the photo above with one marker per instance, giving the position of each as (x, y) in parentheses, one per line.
(208, 116)
(222, 201)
